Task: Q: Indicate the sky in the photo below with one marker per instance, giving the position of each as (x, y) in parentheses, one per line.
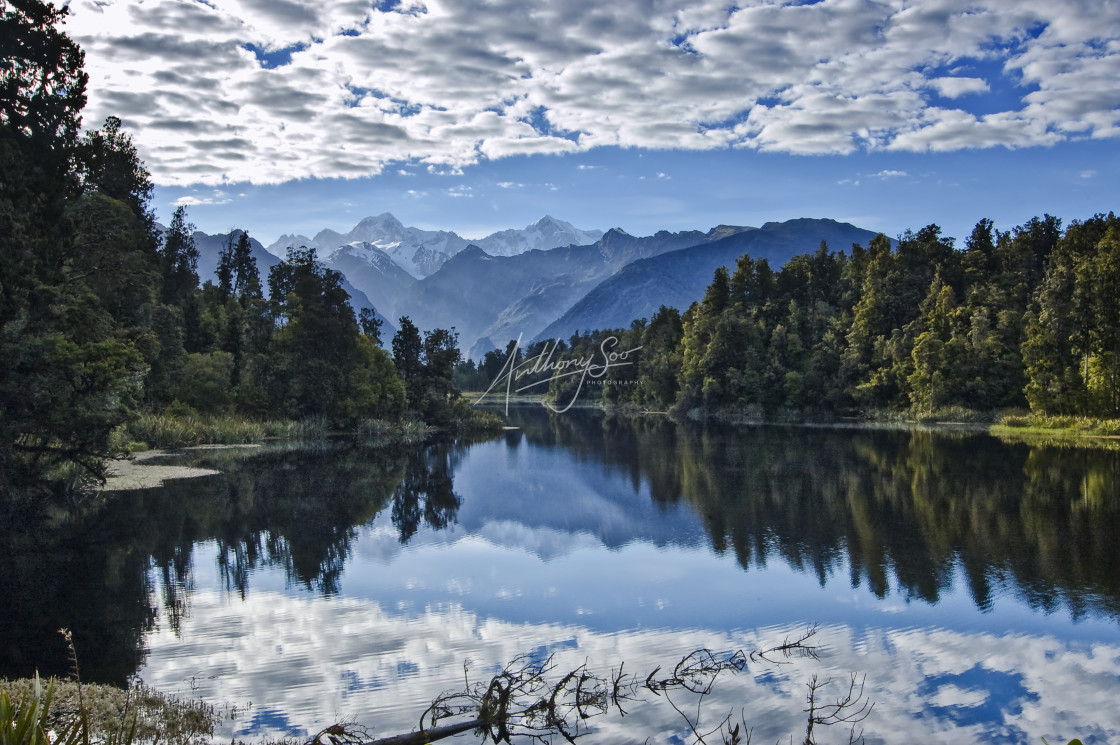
(290, 116)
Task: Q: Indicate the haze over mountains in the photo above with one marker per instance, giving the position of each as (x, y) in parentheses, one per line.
(548, 280)
(422, 252)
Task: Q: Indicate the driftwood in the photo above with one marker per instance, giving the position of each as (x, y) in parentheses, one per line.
(425, 736)
(349, 734)
(527, 702)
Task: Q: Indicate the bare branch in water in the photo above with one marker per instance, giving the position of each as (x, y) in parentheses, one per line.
(851, 708)
(526, 701)
(799, 648)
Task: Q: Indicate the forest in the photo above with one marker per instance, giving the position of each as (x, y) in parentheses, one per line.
(1015, 320)
(102, 317)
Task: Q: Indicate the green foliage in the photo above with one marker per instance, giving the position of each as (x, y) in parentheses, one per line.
(179, 259)
(25, 723)
(105, 714)
(427, 368)
(69, 367)
(168, 431)
(101, 321)
(921, 329)
(659, 368)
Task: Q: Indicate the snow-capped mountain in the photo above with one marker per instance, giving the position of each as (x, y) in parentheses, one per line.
(545, 233)
(421, 252)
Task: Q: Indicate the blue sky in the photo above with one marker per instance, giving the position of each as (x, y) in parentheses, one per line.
(281, 116)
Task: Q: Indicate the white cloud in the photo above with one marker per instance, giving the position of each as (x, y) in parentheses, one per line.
(886, 173)
(273, 90)
(193, 201)
(316, 663)
(956, 87)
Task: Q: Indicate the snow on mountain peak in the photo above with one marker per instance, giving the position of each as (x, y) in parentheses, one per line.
(421, 252)
(545, 233)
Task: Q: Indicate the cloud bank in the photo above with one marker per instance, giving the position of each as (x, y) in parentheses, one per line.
(269, 91)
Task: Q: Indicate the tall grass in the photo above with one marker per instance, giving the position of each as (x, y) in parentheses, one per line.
(137, 714)
(165, 431)
(379, 432)
(76, 713)
(1076, 424)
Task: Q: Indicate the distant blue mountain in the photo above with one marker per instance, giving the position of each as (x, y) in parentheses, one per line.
(679, 278)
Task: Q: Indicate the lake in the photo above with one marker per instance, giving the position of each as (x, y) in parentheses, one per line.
(972, 585)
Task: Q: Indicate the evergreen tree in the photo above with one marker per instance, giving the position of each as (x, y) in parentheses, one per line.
(179, 259)
(934, 362)
(660, 365)
(224, 271)
(68, 374)
(408, 357)
(321, 364)
(371, 325)
(246, 278)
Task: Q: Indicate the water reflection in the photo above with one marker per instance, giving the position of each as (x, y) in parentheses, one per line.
(374, 574)
(348, 658)
(894, 508)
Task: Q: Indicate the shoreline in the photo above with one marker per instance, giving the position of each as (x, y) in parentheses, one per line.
(133, 472)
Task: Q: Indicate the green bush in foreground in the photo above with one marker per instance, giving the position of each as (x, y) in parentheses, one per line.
(25, 723)
(72, 713)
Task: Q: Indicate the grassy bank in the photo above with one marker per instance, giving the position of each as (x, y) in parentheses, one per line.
(1058, 425)
(1014, 424)
(177, 431)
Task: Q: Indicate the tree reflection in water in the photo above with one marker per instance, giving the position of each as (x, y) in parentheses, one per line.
(894, 507)
(904, 510)
(425, 494)
(298, 511)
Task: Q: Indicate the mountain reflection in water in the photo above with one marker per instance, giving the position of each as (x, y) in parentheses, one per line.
(976, 583)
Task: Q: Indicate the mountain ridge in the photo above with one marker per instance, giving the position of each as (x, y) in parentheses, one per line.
(678, 278)
(422, 252)
(545, 293)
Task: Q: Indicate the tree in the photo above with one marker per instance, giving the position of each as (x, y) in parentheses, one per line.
(660, 364)
(246, 277)
(108, 164)
(427, 368)
(179, 259)
(408, 351)
(441, 354)
(315, 345)
(371, 324)
(225, 269)
(42, 92)
(69, 373)
(931, 384)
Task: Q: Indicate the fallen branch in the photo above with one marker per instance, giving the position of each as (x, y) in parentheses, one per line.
(527, 702)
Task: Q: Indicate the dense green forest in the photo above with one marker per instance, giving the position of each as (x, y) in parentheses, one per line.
(1024, 318)
(102, 316)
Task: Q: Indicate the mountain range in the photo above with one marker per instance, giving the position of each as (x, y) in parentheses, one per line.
(210, 248)
(548, 280)
(421, 252)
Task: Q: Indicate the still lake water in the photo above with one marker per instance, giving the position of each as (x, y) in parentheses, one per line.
(973, 584)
